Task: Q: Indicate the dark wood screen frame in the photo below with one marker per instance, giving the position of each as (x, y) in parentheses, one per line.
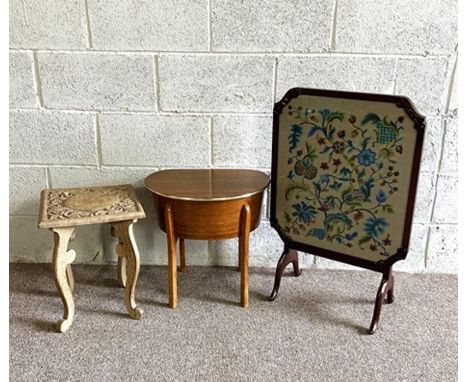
(291, 246)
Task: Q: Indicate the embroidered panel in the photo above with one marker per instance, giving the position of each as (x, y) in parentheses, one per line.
(343, 174)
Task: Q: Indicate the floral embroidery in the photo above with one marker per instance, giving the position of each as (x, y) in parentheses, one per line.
(366, 157)
(344, 182)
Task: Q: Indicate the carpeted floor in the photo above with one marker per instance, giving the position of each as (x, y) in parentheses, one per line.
(314, 331)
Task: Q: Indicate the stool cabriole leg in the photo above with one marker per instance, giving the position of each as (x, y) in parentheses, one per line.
(122, 271)
(172, 257)
(70, 278)
(244, 254)
(63, 277)
(121, 266)
(127, 250)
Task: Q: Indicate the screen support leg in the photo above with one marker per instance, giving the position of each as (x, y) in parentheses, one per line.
(288, 256)
(385, 290)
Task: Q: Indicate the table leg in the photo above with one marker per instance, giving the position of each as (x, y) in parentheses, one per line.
(121, 265)
(122, 271)
(244, 254)
(238, 268)
(70, 278)
(128, 251)
(61, 260)
(172, 257)
(183, 266)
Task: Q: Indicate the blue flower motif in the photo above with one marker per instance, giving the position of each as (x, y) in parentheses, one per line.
(324, 178)
(375, 226)
(350, 236)
(304, 212)
(325, 112)
(366, 157)
(290, 175)
(381, 197)
(318, 233)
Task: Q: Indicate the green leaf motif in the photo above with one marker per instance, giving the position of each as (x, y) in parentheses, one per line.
(294, 188)
(311, 153)
(335, 115)
(295, 136)
(370, 117)
(363, 240)
(339, 217)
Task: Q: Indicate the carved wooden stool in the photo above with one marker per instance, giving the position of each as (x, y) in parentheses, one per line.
(64, 209)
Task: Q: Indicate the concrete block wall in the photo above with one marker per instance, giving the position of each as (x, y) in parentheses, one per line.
(108, 91)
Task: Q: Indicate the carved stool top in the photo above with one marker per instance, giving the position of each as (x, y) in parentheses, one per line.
(66, 207)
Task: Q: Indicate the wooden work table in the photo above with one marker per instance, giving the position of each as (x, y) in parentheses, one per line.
(207, 205)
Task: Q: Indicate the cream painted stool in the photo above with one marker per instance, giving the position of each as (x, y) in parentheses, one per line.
(62, 210)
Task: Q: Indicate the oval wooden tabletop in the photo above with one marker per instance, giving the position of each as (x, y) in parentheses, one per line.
(207, 184)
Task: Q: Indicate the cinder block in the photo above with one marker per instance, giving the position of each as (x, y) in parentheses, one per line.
(26, 184)
(215, 83)
(97, 81)
(365, 74)
(242, 141)
(149, 25)
(446, 201)
(432, 145)
(306, 261)
(449, 161)
(424, 197)
(271, 26)
(265, 248)
(48, 24)
(453, 107)
(30, 244)
(87, 177)
(52, 138)
(265, 203)
(443, 249)
(415, 260)
(22, 89)
(27, 242)
(152, 140)
(423, 81)
(323, 263)
(393, 27)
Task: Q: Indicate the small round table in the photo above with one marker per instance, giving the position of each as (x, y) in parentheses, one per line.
(207, 205)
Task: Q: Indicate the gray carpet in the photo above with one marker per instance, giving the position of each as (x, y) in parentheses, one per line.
(314, 331)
